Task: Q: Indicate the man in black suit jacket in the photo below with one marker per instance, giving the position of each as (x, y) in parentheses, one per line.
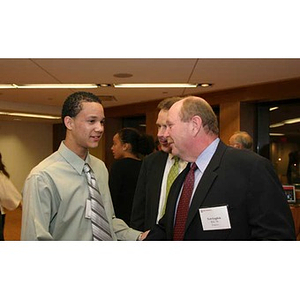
(237, 194)
(149, 193)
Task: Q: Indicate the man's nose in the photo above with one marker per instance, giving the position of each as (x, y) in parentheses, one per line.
(100, 126)
(166, 133)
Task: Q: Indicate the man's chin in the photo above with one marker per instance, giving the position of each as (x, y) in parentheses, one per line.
(166, 149)
(173, 150)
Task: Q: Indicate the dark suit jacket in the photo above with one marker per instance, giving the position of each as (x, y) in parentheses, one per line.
(248, 185)
(147, 193)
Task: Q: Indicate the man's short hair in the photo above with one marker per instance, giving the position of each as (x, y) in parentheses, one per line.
(73, 104)
(196, 106)
(167, 103)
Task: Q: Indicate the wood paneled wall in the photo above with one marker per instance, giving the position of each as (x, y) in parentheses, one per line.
(235, 109)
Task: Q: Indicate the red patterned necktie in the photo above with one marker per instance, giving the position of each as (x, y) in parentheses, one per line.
(184, 204)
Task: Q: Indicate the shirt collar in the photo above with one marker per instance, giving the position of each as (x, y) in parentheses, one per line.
(205, 157)
(73, 159)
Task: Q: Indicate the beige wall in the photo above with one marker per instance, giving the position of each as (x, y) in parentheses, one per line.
(23, 145)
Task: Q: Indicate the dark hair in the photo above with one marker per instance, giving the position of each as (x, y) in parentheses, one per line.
(73, 104)
(140, 143)
(2, 167)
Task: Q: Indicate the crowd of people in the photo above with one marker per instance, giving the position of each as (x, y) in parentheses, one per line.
(192, 187)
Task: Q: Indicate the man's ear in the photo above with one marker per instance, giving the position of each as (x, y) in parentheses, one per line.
(196, 122)
(68, 122)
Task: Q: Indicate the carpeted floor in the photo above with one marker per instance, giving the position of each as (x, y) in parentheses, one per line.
(12, 229)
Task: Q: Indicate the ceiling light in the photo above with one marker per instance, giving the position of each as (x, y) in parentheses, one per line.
(273, 108)
(292, 121)
(103, 85)
(276, 134)
(49, 86)
(4, 113)
(276, 125)
(205, 84)
(7, 86)
(57, 86)
(285, 122)
(155, 85)
(100, 85)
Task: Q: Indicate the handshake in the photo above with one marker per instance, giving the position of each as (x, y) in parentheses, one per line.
(143, 235)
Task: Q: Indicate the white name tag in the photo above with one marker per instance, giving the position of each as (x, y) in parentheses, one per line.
(215, 218)
(88, 209)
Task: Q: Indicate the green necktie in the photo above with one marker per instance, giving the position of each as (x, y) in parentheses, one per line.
(173, 173)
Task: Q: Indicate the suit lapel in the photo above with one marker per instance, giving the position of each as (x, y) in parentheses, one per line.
(208, 177)
(158, 174)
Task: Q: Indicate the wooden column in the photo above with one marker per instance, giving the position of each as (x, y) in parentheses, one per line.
(229, 120)
(151, 128)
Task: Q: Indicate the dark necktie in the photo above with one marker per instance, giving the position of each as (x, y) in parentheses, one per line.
(100, 225)
(184, 204)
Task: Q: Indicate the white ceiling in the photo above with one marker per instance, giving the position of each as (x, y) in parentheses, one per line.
(222, 73)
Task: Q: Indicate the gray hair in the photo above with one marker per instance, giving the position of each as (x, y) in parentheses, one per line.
(243, 138)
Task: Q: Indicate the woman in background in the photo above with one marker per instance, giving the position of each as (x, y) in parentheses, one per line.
(10, 198)
(129, 147)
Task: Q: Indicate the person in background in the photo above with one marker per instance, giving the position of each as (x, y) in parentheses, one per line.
(224, 193)
(61, 194)
(129, 146)
(10, 198)
(241, 140)
(151, 192)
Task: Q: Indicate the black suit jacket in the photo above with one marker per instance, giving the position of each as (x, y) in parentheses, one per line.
(147, 193)
(248, 185)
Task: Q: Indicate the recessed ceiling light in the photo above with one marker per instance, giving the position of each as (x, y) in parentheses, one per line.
(57, 86)
(292, 121)
(276, 134)
(6, 86)
(205, 84)
(28, 115)
(155, 85)
(49, 86)
(100, 85)
(276, 125)
(104, 85)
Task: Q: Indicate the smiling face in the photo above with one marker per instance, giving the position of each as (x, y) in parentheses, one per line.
(85, 130)
(161, 127)
(178, 133)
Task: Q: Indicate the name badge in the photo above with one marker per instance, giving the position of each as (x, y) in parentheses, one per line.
(215, 218)
(88, 209)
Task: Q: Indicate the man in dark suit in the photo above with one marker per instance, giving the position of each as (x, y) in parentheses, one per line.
(234, 194)
(150, 195)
